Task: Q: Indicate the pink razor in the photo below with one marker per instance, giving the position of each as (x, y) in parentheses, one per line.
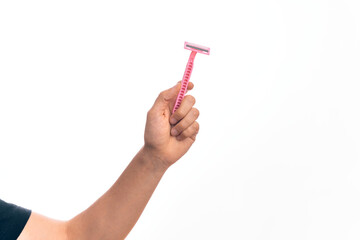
(189, 67)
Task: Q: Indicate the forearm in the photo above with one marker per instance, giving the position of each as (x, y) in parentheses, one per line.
(114, 214)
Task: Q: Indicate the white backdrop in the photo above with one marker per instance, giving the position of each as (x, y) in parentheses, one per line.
(277, 155)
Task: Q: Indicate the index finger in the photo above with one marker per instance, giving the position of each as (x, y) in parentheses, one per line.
(190, 85)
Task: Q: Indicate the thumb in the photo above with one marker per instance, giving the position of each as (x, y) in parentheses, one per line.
(171, 93)
(168, 97)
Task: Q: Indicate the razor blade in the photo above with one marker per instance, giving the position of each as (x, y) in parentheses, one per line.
(197, 48)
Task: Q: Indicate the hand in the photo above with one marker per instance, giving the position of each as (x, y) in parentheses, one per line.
(169, 136)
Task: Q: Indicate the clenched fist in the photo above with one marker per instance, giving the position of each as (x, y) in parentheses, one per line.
(169, 136)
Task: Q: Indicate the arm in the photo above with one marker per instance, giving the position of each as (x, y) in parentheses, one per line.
(115, 213)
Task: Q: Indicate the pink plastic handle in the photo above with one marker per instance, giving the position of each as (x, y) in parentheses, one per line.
(185, 81)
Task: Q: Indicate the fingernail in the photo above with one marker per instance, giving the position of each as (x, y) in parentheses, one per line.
(174, 132)
(172, 120)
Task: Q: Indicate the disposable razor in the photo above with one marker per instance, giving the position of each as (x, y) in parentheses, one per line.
(194, 48)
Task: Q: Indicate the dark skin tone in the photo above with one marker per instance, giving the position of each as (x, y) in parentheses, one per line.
(167, 138)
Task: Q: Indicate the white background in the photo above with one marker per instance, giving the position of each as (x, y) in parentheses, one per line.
(277, 155)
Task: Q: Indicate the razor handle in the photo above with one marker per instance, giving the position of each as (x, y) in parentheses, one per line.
(185, 81)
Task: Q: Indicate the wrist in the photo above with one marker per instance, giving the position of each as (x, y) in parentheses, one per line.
(153, 160)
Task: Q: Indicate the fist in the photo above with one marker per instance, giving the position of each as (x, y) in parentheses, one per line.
(169, 136)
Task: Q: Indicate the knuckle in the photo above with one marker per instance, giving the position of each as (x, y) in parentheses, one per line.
(185, 134)
(176, 115)
(149, 112)
(191, 99)
(196, 112)
(179, 114)
(182, 126)
(161, 94)
(178, 128)
(181, 137)
(196, 127)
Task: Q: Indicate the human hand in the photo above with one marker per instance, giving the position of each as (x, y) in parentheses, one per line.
(169, 136)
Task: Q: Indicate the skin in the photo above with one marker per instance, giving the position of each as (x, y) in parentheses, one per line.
(167, 138)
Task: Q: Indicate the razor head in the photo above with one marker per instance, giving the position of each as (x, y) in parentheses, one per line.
(197, 48)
